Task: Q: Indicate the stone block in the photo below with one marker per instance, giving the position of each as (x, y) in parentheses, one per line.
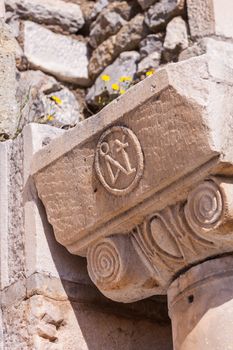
(210, 17)
(54, 12)
(109, 22)
(56, 54)
(16, 213)
(151, 49)
(9, 114)
(125, 211)
(42, 253)
(219, 69)
(11, 213)
(176, 38)
(151, 44)
(2, 9)
(162, 12)
(127, 39)
(4, 175)
(98, 7)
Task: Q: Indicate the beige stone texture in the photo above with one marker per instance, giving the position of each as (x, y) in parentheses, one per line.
(4, 174)
(2, 9)
(46, 313)
(119, 210)
(42, 253)
(59, 55)
(9, 114)
(62, 325)
(176, 38)
(201, 306)
(109, 22)
(210, 17)
(162, 12)
(11, 212)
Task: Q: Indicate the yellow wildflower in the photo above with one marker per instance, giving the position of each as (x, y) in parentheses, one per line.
(115, 87)
(105, 77)
(124, 79)
(50, 117)
(150, 72)
(56, 99)
(122, 91)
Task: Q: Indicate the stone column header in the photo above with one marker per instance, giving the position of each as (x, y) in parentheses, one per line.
(143, 189)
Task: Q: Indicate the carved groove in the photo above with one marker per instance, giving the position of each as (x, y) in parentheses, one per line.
(119, 160)
(204, 207)
(165, 243)
(104, 263)
(175, 237)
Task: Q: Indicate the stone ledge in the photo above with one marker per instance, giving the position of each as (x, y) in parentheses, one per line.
(63, 290)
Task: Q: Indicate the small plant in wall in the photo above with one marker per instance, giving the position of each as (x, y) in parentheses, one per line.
(113, 89)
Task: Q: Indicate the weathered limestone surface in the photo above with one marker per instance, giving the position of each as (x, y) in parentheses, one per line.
(42, 253)
(36, 311)
(56, 12)
(200, 306)
(132, 202)
(4, 150)
(11, 213)
(109, 22)
(128, 38)
(88, 321)
(11, 231)
(2, 9)
(41, 48)
(151, 44)
(43, 99)
(151, 49)
(58, 325)
(15, 212)
(9, 114)
(162, 12)
(176, 38)
(98, 7)
(210, 17)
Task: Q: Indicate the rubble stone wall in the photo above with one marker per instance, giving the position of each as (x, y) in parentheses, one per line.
(74, 57)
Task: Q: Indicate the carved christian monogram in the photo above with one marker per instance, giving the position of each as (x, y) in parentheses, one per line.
(119, 160)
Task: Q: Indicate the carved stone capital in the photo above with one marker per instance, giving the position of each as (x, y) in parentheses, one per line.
(144, 261)
(144, 189)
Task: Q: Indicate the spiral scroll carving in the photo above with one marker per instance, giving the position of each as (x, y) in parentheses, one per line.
(204, 206)
(127, 266)
(105, 263)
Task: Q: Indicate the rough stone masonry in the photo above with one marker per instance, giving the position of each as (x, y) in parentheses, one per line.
(164, 111)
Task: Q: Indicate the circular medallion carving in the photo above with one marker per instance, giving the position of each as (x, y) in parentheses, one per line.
(119, 160)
